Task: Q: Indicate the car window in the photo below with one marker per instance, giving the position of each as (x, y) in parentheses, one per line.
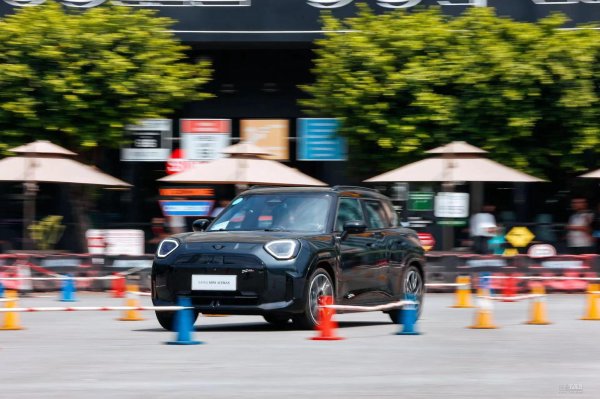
(348, 209)
(289, 212)
(376, 217)
(391, 214)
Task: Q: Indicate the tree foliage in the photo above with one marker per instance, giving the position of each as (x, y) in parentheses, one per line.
(78, 77)
(406, 82)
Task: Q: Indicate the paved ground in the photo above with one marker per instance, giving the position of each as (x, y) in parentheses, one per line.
(91, 355)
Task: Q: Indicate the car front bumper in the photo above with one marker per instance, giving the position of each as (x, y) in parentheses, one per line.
(259, 289)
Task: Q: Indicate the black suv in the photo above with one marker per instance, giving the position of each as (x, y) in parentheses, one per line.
(274, 251)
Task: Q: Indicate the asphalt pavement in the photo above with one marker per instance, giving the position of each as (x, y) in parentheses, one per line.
(92, 355)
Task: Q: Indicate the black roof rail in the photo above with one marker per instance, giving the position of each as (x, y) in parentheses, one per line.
(354, 188)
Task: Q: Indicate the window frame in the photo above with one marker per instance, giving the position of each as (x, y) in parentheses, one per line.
(337, 211)
(386, 221)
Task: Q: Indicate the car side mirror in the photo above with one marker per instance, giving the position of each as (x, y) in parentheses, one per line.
(200, 224)
(353, 227)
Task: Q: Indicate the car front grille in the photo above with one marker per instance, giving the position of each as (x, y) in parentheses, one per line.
(249, 272)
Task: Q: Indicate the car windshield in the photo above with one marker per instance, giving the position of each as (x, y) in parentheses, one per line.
(276, 212)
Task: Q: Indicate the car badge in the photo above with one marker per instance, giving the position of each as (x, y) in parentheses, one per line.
(218, 246)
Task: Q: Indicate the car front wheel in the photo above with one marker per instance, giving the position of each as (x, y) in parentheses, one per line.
(318, 284)
(412, 284)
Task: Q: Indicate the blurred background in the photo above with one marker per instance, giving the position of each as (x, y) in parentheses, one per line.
(343, 91)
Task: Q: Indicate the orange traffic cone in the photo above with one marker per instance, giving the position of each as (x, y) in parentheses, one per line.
(483, 315)
(326, 326)
(538, 306)
(11, 319)
(592, 312)
(463, 292)
(132, 301)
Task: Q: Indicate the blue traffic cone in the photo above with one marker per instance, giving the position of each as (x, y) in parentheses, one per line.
(184, 324)
(408, 317)
(68, 289)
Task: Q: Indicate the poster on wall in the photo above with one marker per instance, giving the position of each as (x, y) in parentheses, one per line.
(270, 134)
(204, 139)
(150, 141)
(318, 140)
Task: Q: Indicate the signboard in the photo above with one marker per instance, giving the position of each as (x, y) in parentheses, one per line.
(177, 163)
(115, 242)
(519, 236)
(451, 205)
(132, 263)
(427, 241)
(474, 263)
(270, 134)
(186, 192)
(541, 251)
(420, 201)
(563, 264)
(150, 141)
(204, 139)
(186, 208)
(318, 140)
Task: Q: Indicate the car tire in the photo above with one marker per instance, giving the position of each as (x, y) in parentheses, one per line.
(412, 283)
(277, 320)
(167, 319)
(318, 283)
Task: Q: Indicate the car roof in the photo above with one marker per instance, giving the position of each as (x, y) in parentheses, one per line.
(342, 191)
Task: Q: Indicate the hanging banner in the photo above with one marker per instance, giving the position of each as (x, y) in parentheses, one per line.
(204, 139)
(151, 141)
(318, 140)
(270, 134)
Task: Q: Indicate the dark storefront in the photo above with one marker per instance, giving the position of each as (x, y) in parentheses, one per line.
(261, 52)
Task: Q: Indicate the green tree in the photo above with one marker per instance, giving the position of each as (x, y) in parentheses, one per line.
(405, 82)
(78, 77)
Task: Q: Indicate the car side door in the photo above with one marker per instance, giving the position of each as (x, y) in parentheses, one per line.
(378, 227)
(353, 251)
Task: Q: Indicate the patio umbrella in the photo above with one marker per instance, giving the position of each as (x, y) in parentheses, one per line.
(592, 175)
(458, 162)
(44, 162)
(244, 165)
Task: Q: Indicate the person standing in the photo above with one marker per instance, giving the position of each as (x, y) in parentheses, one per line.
(579, 229)
(483, 227)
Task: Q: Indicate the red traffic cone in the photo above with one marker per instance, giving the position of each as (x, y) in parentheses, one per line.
(118, 286)
(509, 288)
(326, 326)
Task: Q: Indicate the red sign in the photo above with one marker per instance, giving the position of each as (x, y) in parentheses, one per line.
(212, 126)
(177, 163)
(427, 241)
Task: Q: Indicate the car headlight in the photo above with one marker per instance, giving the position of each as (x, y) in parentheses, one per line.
(282, 249)
(166, 247)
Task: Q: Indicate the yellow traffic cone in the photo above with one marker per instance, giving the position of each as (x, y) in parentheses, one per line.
(11, 319)
(483, 315)
(592, 312)
(463, 292)
(132, 301)
(538, 306)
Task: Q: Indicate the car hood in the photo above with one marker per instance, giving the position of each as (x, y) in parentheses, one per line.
(248, 237)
